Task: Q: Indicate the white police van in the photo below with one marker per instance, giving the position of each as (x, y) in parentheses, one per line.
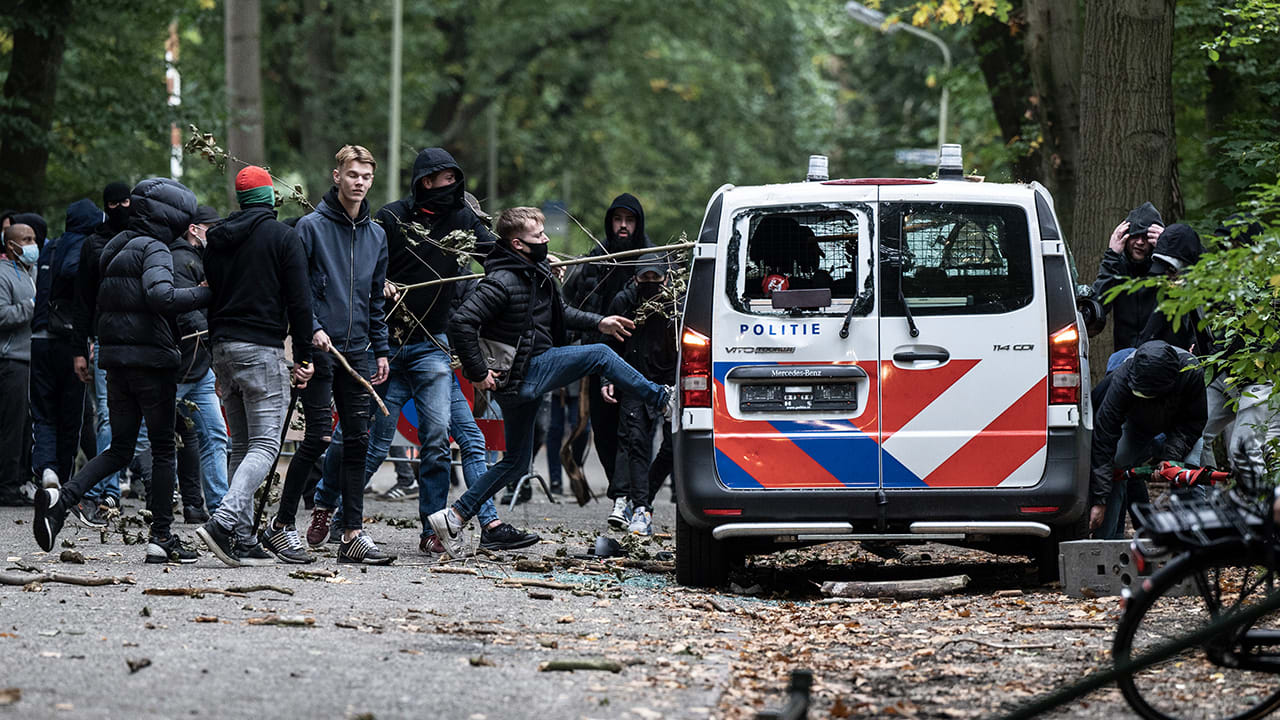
(895, 360)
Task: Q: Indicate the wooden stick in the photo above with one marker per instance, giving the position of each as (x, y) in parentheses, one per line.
(998, 646)
(16, 579)
(368, 388)
(897, 589)
(561, 263)
(571, 665)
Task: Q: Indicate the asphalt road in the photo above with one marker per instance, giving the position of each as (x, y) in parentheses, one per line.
(392, 642)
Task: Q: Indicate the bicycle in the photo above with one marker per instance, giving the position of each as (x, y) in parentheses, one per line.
(1226, 558)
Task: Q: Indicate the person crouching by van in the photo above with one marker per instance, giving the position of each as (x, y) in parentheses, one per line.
(510, 334)
(1156, 390)
(651, 349)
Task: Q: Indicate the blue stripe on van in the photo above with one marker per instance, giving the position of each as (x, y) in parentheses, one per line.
(898, 476)
(846, 452)
(734, 477)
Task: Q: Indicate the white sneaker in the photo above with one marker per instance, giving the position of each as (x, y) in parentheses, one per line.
(641, 523)
(451, 532)
(669, 408)
(621, 514)
(49, 478)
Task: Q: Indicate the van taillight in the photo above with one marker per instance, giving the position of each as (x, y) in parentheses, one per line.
(695, 370)
(1064, 366)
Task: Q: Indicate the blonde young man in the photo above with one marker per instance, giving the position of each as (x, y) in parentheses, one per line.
(347, 262)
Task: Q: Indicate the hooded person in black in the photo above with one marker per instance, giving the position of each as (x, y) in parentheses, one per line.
(1177, 249)
(138, 336)
(1128, 255)
(1157, 390)
(591, 288)
(115, 198)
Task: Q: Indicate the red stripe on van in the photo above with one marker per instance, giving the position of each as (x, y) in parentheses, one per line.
(907, 392)
(764, 453)
(1002, 447)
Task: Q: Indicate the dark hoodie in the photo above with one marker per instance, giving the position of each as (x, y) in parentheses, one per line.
(56, 282)
(1174, 404)
(594, 285)
(347, 265)
(413, 260)
(87, 278)
(517, 303)
(137, 302)
(257, 271)
(1130, 312)
(1177, 249)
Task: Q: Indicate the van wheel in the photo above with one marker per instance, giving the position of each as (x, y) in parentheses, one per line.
(1046, 554)
(701, 560)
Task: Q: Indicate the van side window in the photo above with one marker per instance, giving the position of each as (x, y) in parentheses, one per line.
(954, 259)
(799, 251)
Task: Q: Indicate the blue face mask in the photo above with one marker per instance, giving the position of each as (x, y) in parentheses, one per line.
(30, 254)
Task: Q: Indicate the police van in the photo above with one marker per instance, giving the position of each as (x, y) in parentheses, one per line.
(879, 359)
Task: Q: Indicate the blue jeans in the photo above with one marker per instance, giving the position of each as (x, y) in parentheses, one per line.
(110, 485)
(554, 368)
(433, 459)
(212, 431)
(1134, 447)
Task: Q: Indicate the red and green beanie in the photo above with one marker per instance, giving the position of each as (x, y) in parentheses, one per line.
(254, 186)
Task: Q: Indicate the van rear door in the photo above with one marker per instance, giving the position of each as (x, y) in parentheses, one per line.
(963, 342)
(795, 404)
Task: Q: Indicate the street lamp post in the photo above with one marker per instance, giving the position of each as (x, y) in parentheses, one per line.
(878, 20)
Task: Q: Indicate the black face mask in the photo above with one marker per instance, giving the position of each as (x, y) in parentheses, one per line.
(648, 290)
(537, 252)
(118, 217)
(437, 200)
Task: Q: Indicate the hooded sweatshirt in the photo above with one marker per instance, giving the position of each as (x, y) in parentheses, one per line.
(87, 277)
(257, 271)
(413, 260)
(138, 303)
(56, 291)
(1158, 389)
(593, 286)
(1178, 248)
(1130, 312)
(347, 264)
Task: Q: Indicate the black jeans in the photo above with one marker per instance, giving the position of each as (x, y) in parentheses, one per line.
(13, 423)
(637, 422)
(662, 464)
(57, 407)
(330, 385)
(135, 394)
(604, 424)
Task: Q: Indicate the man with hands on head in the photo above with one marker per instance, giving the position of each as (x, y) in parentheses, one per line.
(1128, 255)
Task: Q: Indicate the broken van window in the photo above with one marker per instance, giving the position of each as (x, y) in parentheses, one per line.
(800, 250)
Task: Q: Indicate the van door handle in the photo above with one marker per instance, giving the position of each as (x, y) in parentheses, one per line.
(913, 356)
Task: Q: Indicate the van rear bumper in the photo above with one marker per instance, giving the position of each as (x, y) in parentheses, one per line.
(907, 513)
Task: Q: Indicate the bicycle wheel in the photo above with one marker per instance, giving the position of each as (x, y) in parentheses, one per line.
(1198, 683)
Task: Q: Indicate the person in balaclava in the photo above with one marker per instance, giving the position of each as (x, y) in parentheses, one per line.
(652, 350)
(115, 200)
(1159, 389)
(138, 338)
(1128, 255)
(590, 288)
(57, 395)
(17, 305)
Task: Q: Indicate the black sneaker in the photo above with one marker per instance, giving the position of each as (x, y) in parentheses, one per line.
(89, 514)
(50, 516)
(170, 549)
(194, 515)
(285, 544)
(362, 550)
(219, 542)
(253, 555)
(506, 537)
(335, 532)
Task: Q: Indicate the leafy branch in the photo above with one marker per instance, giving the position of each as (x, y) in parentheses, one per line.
(206, 145)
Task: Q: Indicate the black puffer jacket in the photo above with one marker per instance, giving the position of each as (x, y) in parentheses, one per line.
(1129, 311)
(188, 272)
(1174, 405)
(516, 303)
(138, 303)
(591, 287)
(412, 260)
(88, 277)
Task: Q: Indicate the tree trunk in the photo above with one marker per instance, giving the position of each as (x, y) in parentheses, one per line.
(1127, 152)
(1219, 104)
(1053, 44)
(244, 86)
(39, 37)
(1004, 66)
